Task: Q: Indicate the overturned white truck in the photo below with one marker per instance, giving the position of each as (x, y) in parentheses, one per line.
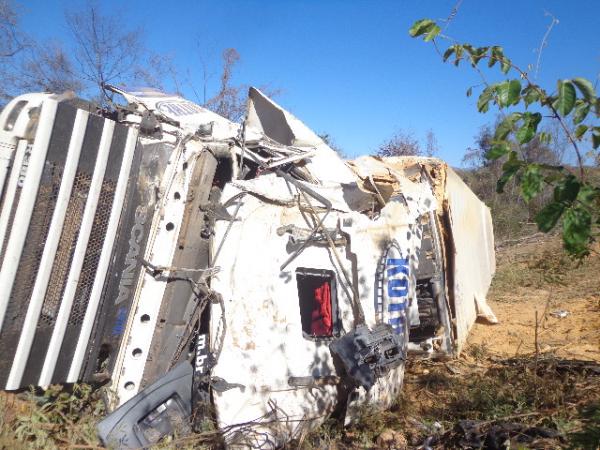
(206, 270)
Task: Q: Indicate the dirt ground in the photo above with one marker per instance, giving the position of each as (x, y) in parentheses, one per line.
(535, 278)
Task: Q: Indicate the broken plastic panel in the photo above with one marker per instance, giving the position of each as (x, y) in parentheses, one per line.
(369, 354)
(160, 410)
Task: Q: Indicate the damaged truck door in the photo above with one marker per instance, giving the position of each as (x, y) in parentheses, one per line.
(242, 274)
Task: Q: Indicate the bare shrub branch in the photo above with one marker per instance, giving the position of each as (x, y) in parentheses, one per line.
(400, 144)
(11, 40)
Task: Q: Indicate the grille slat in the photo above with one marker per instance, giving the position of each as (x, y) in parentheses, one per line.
(10, 197)
(28, 266)
(27, 199)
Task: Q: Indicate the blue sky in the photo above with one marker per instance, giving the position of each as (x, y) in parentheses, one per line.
(349, 67)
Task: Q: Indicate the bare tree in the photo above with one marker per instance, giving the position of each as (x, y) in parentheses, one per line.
(45, 68)
(400, 144)
(11, 40)
(474, 157)
(229, 101)
(432, 146)
(108, 51)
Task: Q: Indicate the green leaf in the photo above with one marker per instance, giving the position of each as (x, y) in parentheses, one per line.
(588, 195)
(502, 93)
(449, 52)
(567, 189)
(580, 131)
(596, 137)
(514, 91)
(546, 219)
(496, 55)
(469, 92)
(506, 126)
(549, 100)
(505, 66)
(497, 151)
(480, 54)
(484, 99)
(586, 88)
(530, 95)
(529, 127)
(510, 168)
(476, 53)
(581, 111)
(435, 30)
(508, 93)
(577, 230)
(566, 97)
(532, 182)
(525, 133)
(507, 175)
(458, 54)
(421, 27)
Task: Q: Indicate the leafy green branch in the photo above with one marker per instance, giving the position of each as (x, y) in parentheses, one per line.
(574, 105)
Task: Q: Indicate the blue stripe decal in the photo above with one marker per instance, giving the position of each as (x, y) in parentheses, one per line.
(397, 288)
(397, 307)
(396, 266)
(395, 321)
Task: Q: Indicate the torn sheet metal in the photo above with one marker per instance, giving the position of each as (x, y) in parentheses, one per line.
(281, 126)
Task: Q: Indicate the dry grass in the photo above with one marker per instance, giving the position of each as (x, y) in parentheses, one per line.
(435, 400)
(542, 264)
(56, 418)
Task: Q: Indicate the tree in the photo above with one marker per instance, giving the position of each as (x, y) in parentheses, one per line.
(28, 66)
(107, 51)
(45, 68)
(475, 156)
(229, 101)
(432, 146)
(576, 199)
(11, 40)
(400, 144)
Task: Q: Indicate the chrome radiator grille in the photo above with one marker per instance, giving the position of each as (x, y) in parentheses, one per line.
(62, 210)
